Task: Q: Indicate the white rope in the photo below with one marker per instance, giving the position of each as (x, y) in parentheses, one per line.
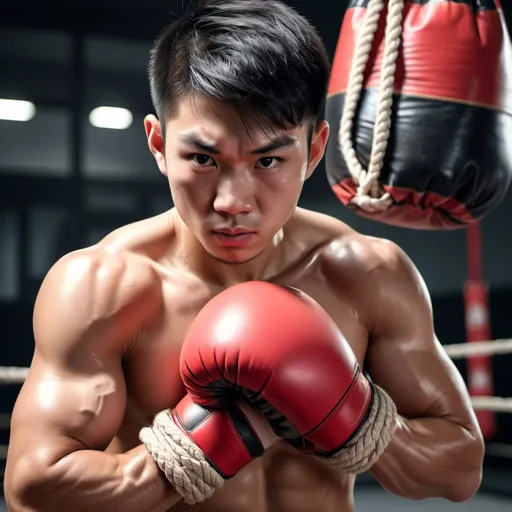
(370, 196)
(491, 403)
(366, 447)
(12, 375)
(181, 460)
(482, 348)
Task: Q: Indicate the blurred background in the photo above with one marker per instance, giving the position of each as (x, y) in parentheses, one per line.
(68, 175)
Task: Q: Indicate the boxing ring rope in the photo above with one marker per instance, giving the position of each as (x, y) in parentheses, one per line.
(491, 403)
(13, 375)
(485, 348)
(17, 375)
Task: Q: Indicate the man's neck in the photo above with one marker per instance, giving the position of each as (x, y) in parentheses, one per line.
(192, 254)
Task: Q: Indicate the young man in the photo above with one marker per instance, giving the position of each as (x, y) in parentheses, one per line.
(237, 86)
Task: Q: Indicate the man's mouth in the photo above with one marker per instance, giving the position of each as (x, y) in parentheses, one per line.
(233, 237)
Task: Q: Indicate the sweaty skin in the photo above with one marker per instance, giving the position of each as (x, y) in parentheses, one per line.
(110, 320)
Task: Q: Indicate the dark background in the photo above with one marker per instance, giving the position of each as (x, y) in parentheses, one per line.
(64, 183)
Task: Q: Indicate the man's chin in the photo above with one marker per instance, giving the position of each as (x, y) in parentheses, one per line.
(234, 257)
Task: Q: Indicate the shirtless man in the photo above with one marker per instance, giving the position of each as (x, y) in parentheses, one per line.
(237, 86)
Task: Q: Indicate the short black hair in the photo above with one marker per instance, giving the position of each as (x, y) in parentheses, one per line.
(259, 56)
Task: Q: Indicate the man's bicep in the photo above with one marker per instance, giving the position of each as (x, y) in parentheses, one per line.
(404, 356)
(74, 395)
(420, 378)
(85, 407)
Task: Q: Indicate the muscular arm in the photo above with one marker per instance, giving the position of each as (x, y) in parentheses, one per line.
(438, 448)
(89, 308)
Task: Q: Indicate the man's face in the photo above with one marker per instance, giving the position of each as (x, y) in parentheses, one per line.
(233, 186)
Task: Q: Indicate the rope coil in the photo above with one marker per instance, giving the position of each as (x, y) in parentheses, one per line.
(367, 446)
(370, 196)
(182, 461)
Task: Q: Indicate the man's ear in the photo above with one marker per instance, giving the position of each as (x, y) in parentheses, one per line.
(153, 129)
(318, 145)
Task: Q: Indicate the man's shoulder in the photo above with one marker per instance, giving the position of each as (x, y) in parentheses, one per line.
(146, 237)
(343, 246)
(375, 272)
(94, 301)
(115, 278)
(309, 223)
(97, 285)
(365, 254)
(375, 269)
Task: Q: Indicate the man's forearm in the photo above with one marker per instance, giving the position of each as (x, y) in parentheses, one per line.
(89, 480)
(431, 457)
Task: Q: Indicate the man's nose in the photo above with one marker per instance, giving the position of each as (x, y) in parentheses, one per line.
(235, 193)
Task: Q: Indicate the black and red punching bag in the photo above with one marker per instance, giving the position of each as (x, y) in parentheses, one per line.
(444, 133)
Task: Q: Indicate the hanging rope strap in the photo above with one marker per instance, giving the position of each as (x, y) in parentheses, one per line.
(370, 195)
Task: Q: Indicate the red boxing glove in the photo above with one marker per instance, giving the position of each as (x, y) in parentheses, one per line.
(225, 436)
(277, 347)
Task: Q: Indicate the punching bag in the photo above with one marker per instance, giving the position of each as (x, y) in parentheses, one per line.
(420, 109)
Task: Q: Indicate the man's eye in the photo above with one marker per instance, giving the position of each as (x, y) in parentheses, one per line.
(268, 162)
(202, 160)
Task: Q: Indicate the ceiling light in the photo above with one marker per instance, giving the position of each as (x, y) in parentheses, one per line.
(16, 110)
(111, 117)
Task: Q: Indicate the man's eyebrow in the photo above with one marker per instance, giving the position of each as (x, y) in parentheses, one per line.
(192, 139)
(279, 142)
